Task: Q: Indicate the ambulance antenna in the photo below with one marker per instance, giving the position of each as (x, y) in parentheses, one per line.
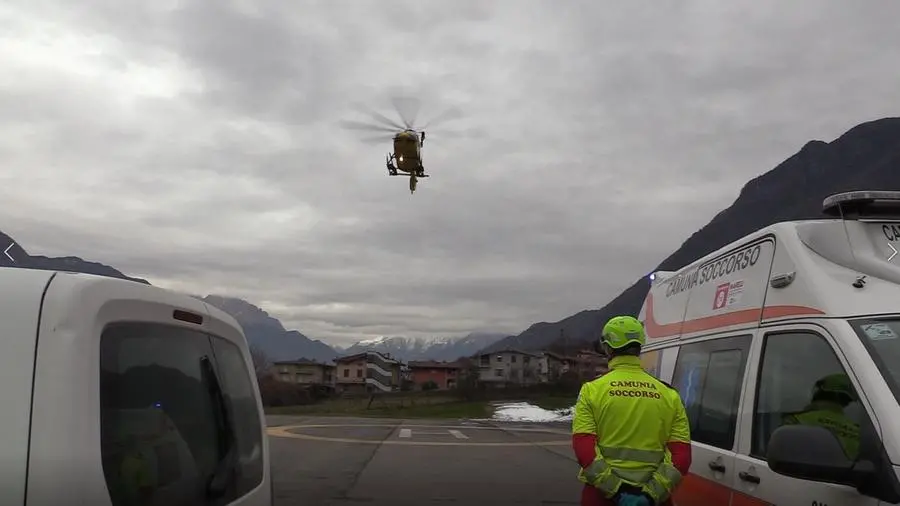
(860, 280)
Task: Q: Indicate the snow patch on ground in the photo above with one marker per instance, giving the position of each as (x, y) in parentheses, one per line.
(524, 412)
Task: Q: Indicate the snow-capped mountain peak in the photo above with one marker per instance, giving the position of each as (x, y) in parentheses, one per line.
(434, 348)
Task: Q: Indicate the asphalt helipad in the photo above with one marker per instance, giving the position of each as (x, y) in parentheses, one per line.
(364, 461)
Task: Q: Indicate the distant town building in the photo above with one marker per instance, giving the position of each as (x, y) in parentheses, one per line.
(369, 371)
(444, 374)
(510, 366)
(305, 372)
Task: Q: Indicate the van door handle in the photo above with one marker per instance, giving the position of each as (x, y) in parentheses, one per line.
(752, 478)
(715, 466)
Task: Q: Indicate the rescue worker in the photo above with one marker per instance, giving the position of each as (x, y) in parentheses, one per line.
(630, 431)
(831, 395)
(135, 479)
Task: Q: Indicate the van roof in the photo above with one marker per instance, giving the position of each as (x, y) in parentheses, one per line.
(17, 278)
(798, 269)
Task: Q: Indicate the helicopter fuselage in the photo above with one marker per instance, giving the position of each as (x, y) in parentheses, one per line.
(408, 151)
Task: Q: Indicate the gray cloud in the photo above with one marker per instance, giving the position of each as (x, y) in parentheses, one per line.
(198, 144)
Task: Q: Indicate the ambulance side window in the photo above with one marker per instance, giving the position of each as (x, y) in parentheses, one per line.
(708, 375)
(792, 365)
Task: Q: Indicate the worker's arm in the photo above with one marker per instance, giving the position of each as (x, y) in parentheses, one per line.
(679, 443)
(584, 429)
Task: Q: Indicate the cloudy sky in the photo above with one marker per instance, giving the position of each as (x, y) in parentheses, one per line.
(199, 145)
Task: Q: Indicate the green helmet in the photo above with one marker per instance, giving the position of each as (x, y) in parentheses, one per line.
(836, 384)
(620, 331)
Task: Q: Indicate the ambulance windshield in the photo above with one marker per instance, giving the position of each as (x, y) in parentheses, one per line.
(882, 338)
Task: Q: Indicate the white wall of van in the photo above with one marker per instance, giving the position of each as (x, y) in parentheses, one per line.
(745, 334)
(124, 390)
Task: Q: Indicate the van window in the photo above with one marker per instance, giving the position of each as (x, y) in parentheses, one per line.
(708, 375)
(161, 427)
(793, 364)
(882, 338)
(239, 393)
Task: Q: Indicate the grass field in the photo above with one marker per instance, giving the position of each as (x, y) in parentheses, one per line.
(413, 406)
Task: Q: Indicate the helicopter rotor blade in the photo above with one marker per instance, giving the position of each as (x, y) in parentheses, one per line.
(448, 115)
(378, 139)
(366, 127)
(452, 135)
(407, 108)
(379, 117)
(443, 136)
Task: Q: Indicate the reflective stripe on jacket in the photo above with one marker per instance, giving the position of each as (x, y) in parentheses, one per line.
(830, 416)
(634, 416)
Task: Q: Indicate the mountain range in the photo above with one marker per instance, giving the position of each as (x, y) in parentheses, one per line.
(268, 334)
(439, 348)
(14, 255)
(866, 157)
(263, 331)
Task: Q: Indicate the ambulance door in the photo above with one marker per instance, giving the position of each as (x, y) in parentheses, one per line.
(787, 362)
(709, 375)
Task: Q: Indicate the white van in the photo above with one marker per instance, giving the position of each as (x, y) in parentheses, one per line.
(750, 333)
(119, 393)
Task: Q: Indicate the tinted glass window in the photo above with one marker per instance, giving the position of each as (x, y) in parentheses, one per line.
(240, 397)
(162, 431)
(882, 338)
(708, 375)
(789, 378)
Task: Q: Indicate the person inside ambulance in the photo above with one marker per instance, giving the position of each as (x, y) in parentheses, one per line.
(630, 432)
(831, 396)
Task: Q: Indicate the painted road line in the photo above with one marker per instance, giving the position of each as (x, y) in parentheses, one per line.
(288, 432)
(406, 433)
(543, 430)
(457, 434)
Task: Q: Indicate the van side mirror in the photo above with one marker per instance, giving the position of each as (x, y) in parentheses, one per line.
(813, 453)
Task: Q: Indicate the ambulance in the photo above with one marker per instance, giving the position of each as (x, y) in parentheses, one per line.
(119, 393)
(785, 348)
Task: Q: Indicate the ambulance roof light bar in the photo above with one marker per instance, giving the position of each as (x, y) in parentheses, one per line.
(862, 205)
(660, 276)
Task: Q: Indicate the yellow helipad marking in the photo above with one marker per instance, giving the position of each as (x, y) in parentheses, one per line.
(285, 432)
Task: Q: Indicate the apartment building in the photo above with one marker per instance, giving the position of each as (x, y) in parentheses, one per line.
(305, 372)
(444, 374)
(509, 366)
(367, 372)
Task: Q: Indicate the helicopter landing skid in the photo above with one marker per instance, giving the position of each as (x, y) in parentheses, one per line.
(398, 173)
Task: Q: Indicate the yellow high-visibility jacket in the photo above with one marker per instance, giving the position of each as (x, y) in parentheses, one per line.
(634, 417)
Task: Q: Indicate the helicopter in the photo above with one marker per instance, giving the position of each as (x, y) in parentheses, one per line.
(406, 158)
